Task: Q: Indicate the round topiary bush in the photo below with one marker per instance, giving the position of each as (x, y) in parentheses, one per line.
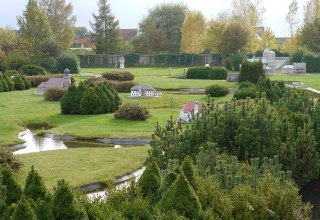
(218, 73)
(54, 93)
(31, 70)
(71, 62)
(217, 90)
(131, 111)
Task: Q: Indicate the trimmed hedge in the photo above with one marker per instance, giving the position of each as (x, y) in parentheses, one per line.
(54, 93)
(118, 76)
(215, 73)
(312, 61)
(251, 72)
(121, 87)
(36, 80)
(131, 111)
(216, 90)
(32, 70)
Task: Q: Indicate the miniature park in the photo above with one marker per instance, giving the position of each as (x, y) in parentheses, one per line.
(221, 122)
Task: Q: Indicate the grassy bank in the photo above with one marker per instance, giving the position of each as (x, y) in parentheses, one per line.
(81, 166)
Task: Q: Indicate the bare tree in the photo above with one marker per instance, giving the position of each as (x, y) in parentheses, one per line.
(292, 18)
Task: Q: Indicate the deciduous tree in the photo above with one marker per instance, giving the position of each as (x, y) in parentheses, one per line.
(292, 18)
(163, 25)
(193, 32)
(34, 27)
(61, 21)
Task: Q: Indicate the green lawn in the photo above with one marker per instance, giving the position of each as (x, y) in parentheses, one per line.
(159, 77)
(81, 166)
(309, 80)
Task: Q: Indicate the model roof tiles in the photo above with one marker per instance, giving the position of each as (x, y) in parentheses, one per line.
(190, 106)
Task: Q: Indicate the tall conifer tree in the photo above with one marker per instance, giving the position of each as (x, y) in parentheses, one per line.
(106, 29)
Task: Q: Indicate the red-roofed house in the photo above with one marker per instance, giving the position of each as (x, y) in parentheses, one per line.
(186, 111)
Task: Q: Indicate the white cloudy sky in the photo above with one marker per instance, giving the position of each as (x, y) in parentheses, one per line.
(130, 12)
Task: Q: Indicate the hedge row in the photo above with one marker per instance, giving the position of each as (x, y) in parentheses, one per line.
(17, 61)
(133, 60)
(311, 59)
(207, 73)
(118, 76)
(121, 87)
(36, 80)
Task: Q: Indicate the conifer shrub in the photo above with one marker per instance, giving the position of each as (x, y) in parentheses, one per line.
(138, 208)
(150, 180)
(27, 83)
(132, 111)
(189, 171)
(71, 62)
(1, 88)
(34, 186)
(23, 210)
(64, 203)
(90, 102)
(54, 93)
(118, 76)
(251, 72)
(11, 73)
(216, 90)
(7, 158)
(9, 82)
(32, 70)
(4, 85)
(13, 189)
(90, 99)
(181, 198)
(18, 83)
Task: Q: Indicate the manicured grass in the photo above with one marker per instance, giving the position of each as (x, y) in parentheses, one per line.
(159, 77)
(23, 107)
(309, 80)
(81, 166)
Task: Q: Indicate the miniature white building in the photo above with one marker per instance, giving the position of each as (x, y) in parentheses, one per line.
(143, 91)
(186, 111)
(270, 60)
(296, 68)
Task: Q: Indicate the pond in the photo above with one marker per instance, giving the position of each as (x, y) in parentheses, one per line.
(48, 141)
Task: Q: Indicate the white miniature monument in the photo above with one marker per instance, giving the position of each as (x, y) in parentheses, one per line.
(121, 61)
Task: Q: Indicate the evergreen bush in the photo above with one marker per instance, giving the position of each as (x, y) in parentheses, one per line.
(34, 186)
(90, 102)
(9, 82)
(181, 198)
(48, 63)
(118, 76)
(1, 87)
(13, 189)
(7, 158)
(150, 180)
(251, 72)
(67, 61)
(23, 210)
(31, 70)
(131, 111)
(312, 61)
(27, 83)
(70, 101)
(189, 171)
(297, 55)
(54, 93)
(216, 90)
(4, 85)
(18, 83)
(218, 73)
(123, 87)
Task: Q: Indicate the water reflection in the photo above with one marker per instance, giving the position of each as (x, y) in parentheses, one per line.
(120, 182)
(35, 143)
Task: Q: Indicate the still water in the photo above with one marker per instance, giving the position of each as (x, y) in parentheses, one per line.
(35, 143)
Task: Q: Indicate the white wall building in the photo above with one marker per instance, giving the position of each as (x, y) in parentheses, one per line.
(143, 91)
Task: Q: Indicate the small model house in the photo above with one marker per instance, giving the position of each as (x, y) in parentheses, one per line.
(143, 91)
(64, 82)
(186, 111)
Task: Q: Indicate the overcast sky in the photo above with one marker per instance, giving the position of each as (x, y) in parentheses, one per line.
(130, 12)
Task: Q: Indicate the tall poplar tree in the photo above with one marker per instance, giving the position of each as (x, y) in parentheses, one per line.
(193, 31)
(106, 30)
(34, 27)
(61, 21)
